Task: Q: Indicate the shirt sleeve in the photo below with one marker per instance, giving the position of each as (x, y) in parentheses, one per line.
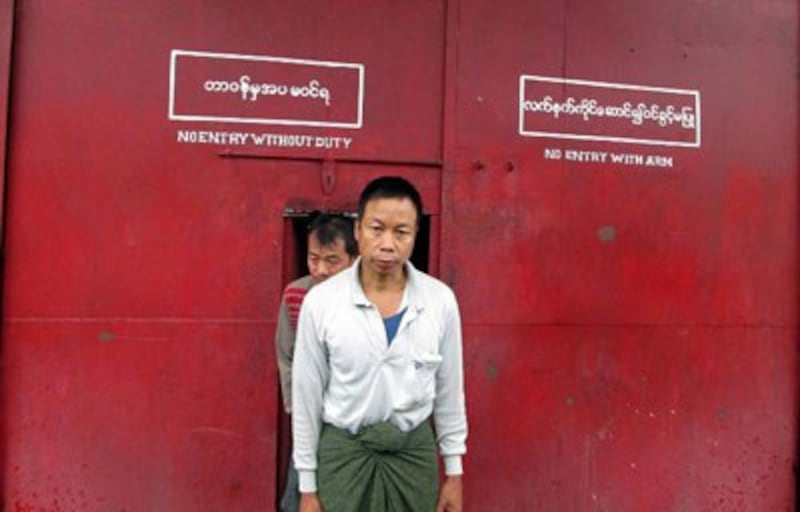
(284, 345)
(311, 373)
(449, 410)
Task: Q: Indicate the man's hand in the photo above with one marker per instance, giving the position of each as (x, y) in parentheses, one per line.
(309, 502)
(451, 497)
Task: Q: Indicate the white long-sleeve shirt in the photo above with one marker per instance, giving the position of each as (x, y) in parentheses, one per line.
(346, 374)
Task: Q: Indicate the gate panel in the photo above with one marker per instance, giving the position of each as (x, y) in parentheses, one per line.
(633, 342)
(145, 245)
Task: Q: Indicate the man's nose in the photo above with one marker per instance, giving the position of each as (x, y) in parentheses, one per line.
(323, 269)
(386, 242)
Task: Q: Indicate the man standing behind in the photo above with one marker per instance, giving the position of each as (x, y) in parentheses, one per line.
(378, 352)
(331, 249)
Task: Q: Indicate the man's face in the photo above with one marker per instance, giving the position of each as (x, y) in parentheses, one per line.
(386, 234)
(326, 260)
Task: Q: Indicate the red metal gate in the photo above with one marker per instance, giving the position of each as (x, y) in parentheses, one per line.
(613, 197)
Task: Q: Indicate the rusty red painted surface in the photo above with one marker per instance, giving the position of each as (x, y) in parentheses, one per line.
(630, 304)
(6, 38)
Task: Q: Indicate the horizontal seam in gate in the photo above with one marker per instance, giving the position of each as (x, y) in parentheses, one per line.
(133, 319)
(493, 325)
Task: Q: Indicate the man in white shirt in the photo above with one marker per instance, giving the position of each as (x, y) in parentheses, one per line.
(378, 352)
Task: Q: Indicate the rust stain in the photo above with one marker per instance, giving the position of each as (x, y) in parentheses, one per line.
(607, 234)
(491, 370)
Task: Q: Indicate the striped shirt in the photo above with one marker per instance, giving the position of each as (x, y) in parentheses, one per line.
(285, 333)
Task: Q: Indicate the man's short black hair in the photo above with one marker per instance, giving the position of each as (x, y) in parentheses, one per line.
(328, 227)
(390, 187)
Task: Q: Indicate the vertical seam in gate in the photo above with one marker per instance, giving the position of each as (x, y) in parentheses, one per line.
(7, 19)
(449, 124)
(7, 11)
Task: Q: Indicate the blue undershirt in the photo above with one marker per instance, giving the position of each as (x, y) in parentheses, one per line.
(392, 324)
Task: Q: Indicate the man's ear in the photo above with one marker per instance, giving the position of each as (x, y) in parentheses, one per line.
(355, 228)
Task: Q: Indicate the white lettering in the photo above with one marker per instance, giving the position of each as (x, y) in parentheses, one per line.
(552, 154)
(586, 156)
(262, 139)
(251, 91)
(627, 158)
(587, 108)
(258, 139)
(658, 161)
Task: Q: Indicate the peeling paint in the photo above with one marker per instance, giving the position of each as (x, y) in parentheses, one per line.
(607, 234)
(491, 370)
(215, 430)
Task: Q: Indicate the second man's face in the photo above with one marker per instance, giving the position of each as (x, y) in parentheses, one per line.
(386, 234)
(326, 260)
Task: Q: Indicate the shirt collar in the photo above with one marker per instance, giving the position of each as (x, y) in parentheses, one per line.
(411, 292)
